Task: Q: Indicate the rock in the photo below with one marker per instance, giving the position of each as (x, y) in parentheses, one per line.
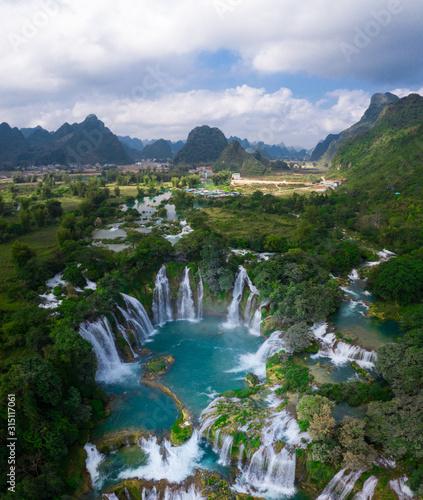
(252, 379)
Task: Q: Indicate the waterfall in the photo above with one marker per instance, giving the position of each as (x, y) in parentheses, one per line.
(368, 489)
(162, 307)
(269, 473)
(124, 333)
(340, 486)
(256, 362)
(200, 294)
(92, 463)
(233, 319)
(255, 324)
(225, 452)
(233, 310)
(240, 456)
(168, 462)
(341, 353)
(172, 494)
(137, 319)
(99, 333)
(186, 309)
(403, 491)
(345, 353)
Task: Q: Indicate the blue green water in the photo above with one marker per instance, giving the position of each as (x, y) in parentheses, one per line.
(351, 319)
(204, 353)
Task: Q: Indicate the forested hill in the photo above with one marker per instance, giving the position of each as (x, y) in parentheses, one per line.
(386, 162)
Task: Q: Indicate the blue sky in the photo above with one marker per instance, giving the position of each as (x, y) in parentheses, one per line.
(272, 70)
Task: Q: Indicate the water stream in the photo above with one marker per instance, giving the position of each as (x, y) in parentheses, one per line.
(211, 356)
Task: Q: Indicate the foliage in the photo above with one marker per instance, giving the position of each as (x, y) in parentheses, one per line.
(399, 279)
(298, 337)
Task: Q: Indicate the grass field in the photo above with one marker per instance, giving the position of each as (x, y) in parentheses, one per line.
(242, 225)
(43, 241)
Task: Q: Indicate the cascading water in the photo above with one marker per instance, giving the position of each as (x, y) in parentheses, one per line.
(403, 492)
(233, 318)
(162, 306)
(340, 486)
(233, 310)
(270, 472)
(125, 335)
(172, 494)
(136, 317)
(341, 353)
(165, 461)
(255, 324)
(99, 333)
(200, 295)
(225, 452)
(368, 489)
(257, 362)
(92, 463)
(186, 308)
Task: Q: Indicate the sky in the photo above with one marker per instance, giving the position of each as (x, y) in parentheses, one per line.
(268, 70)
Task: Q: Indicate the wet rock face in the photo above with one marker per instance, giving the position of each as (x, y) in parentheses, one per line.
(252, 379)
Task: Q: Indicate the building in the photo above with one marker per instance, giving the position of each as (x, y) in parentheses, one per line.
(236, 177)
(204, 172)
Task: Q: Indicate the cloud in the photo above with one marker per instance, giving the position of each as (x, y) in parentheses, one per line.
(60, 57)
(243, 111)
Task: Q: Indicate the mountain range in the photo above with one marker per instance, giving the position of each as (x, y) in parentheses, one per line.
(88, 142)
(91, 142)
(326, 150)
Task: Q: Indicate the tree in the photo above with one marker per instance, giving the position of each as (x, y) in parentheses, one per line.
(399, 279)
(117, 191)
(298, 337)
(39, 214)
(315, 415)
(357, 454)
(54, 208)
(25, 220)
(21, 254)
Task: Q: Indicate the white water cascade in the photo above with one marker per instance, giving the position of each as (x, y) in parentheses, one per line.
(256, 362)
(225, 452)
(269, 472)
(100, 334)
(125, 335)
(92, 463)
(368, 489)
(172, 494)
(340, 485)
(341, 353)
(200, 295)
(168, 462)
(255, 323)
(186, 308)
(233, 318)
(162, 306)
(398, 485)
(137, 319)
